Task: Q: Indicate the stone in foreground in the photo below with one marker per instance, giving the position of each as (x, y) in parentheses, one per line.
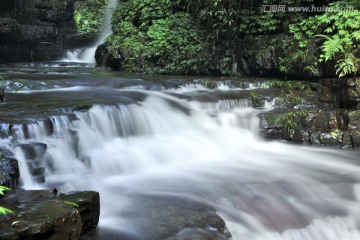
(41, 215)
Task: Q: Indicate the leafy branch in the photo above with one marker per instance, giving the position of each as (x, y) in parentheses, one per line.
(3, 210)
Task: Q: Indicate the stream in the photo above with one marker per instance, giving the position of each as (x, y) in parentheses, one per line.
(161, 148)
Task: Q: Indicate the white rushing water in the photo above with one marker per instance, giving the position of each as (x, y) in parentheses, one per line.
(87, 55)
(166, 146)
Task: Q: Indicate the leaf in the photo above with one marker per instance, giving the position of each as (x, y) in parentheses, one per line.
(20, 88)
(3, 189)
(356, 35)
(334, 135)
(5, 211)
(71, 203)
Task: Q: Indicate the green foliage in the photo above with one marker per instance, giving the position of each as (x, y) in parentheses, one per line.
(88, 15)
(298, 85)
(3, 190)
(253, 22)
(3, 210)
(339, 33)
(152, 39)
(290, 99)
(185, 36)
(290, 120)
(253, 96)
(141, 13)
(176, 44)
(336, 134)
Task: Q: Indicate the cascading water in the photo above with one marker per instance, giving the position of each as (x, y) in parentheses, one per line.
(163, 146)
(87, 55)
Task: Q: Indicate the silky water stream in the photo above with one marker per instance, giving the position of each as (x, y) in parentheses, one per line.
(87, 55)
(143, 144)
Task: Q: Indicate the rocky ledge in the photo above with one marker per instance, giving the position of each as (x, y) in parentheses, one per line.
(41, 214)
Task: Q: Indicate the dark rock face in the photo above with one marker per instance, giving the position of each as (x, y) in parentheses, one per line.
(9, 172)
(322, 128)
(41, 215)
(273, 56)
(105, 59)
(34, 29)
(80, 40)
(339, 92)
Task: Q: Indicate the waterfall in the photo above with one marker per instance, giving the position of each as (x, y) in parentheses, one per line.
(165, 146)
(87, 55)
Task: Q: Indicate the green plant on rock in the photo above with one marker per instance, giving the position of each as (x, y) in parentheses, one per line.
(339, 33)
(291, 98)
(336, 134)
(298, 59)
(289, 85)
(290, 120)
(3, 210)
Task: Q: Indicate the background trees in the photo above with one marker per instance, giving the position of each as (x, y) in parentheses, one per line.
(201, 36)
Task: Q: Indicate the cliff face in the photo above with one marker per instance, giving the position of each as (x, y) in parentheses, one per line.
(34, 30)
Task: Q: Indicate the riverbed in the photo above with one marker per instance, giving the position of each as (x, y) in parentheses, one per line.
(174, 156)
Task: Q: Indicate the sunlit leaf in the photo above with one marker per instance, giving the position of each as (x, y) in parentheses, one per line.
(5, 211)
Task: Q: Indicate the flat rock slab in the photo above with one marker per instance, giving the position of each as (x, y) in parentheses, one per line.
(163, 217)
(39, 214)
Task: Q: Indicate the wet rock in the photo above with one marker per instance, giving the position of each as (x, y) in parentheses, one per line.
(34, 30)
(197, 234)
(35, 154)
(327, 139)
(33, 150)
(9, 172)
(166, 217)
(105, 59)
(41, 215)
(348, 141)
(89, 207)
(7, 26)
(81, 40)
(354, 120)
(340, 92)
(321, 120)
(175, 218)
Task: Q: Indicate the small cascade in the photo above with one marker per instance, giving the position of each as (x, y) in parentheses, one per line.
(207, 152)
(87, 55)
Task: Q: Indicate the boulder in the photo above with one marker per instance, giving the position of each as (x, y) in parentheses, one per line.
(177, 218)
(105, 59)
(80, 40)
(165, 217)
(39, 214)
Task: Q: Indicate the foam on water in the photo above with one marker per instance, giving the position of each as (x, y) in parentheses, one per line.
(168, 146)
